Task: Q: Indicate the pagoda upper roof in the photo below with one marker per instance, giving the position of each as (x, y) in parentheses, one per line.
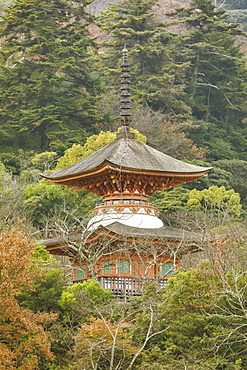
(128, 154)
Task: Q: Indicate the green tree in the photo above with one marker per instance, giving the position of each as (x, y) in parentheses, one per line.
(189, 340)
(217, 177)
(216, 89)
(198, 209)
(238, 181)
(16, 161)
(54, 210)
(115, 333)
(46, 292)
(197, 307)
(156, 68)
(166, 134)
(216, 198)
(11, 193)
(47, 85)
(78, 303)
(238, 16)
(237, 10)
(236, 4)
(44, 161)
(90, 290)
(171, 200)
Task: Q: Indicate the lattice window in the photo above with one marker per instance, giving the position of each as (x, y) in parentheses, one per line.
(80, 273)
(167, 269)
(108, 267)
(123, 267)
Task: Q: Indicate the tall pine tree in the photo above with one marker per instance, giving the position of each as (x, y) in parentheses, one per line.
(47, 87)
(216, 87)
(156, 68)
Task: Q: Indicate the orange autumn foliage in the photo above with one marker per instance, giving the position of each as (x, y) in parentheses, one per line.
(97, 339)
(23, 339)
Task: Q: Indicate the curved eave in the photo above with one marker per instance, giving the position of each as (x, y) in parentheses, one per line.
(121, 233)
(127, 155)
(160, 235)
(108, 167)
(166, 238)
(61, 245)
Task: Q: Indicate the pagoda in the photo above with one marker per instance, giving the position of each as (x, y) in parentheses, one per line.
(130, 244)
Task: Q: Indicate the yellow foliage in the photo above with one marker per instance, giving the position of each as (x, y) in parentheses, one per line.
(95, 142)
(216, 197)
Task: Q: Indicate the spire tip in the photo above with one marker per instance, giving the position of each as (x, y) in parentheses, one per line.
(125, 53)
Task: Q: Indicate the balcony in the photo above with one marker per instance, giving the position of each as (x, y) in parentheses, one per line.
(126, 286)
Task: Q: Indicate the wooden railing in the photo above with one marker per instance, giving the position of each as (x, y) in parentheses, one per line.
(127, 286)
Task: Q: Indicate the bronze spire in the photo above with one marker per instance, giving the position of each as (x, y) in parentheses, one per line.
(125, 90)
(125, 97)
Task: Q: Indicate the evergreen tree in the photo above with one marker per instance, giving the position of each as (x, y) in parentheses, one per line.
(236, 4)
(156, 68)
(47, 87)
(237, 11)
(216, 88)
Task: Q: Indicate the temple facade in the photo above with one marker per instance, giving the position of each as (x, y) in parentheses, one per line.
(125, 244)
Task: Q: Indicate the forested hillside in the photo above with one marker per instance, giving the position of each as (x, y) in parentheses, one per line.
(59, 88)
(237, 11)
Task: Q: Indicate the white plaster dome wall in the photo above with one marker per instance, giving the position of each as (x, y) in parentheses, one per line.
(135, 220)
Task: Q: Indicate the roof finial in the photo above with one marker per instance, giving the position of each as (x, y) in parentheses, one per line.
(125, 53)
(125, 89)
(125, 97)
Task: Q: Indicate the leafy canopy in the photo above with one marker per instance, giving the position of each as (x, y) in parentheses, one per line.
(47, 83)
(215, 198)
(24, 340)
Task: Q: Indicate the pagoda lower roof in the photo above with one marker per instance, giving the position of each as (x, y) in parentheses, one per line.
(127, 154)
(189, 242)
(162, 234)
